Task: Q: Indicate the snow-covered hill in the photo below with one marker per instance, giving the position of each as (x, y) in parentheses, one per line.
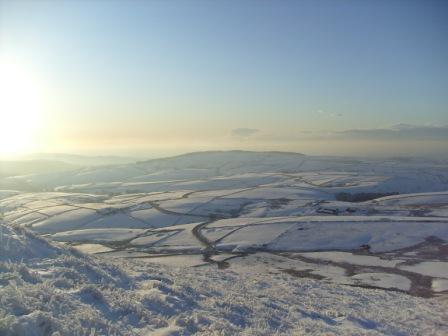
(54, 290)
(228, 243)
(208, 170)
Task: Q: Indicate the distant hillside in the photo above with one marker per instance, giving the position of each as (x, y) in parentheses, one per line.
(216, 167)
(226, 155)
(81, 160)
(229, 161)
(27, 167)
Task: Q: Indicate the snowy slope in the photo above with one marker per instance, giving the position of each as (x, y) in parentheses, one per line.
(57, 291)
(227, 243)
(208, 170)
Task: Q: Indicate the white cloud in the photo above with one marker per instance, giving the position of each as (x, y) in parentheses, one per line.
(244, 132)
(329, 114)
(400, 131)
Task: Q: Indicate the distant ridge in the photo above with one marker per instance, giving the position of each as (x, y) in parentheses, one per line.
(25, 167)
(223, 153)
(81, 160)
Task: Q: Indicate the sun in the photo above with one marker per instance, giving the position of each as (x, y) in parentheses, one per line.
(20, 110)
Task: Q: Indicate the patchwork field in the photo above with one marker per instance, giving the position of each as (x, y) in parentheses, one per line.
(340, 222)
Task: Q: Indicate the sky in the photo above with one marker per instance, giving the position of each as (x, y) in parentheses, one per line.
(155, 78)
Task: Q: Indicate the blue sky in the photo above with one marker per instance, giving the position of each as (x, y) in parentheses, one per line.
(183, 75)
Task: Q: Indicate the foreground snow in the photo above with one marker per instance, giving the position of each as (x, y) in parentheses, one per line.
(54, 290)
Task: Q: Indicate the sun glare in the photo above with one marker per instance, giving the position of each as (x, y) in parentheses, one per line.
(20, 110)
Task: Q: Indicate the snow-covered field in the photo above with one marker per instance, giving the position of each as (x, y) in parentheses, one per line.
(48, 289)
(228, 243)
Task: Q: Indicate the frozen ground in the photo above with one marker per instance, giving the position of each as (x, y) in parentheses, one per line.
(223, 226)
(47, 289)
